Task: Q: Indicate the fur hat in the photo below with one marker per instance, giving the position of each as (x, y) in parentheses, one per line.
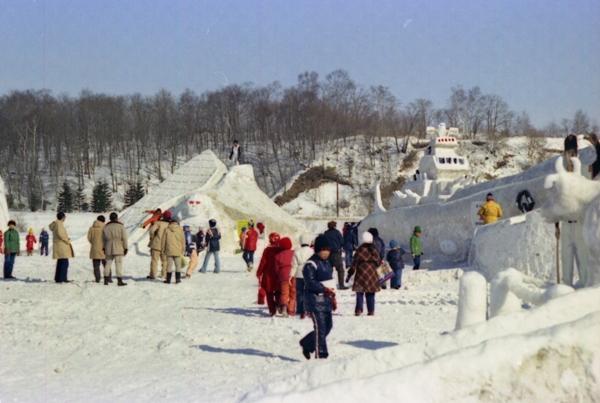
(393, 244)
(367, 237)
(321, 244)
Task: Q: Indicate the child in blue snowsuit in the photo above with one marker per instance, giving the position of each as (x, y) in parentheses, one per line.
(44, 238)
(319, 299)
(394, 258)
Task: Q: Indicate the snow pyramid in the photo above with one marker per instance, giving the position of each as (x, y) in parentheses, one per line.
(201, 189)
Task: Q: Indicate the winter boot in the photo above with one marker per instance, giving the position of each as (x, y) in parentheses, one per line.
(106, 281)
(371, 313)
(358, 312)
(177, 277)
(305, 352)
(120, 282)
(168, 279)
(97, 274)
(110, 278)
(341, 285)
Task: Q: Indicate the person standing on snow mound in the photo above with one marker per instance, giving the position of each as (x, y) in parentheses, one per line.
(173, 248)
(12, 247)
(44, 239)
(267, 272)
(416, 247)
(62, 250)
(491, 211)
(319, 299)
(95, 238)
(250, 241)
(336, 242)
(115, 248)
(366, 283)
(573, 249)
(235, 155)
(213, 243)
(157, 233)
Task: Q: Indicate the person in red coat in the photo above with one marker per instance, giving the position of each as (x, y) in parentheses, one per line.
(30, 242)
(249, 246)
(287, 287)
(267, 276)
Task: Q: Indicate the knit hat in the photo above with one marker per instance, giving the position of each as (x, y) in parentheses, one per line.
(393, 244)
(331, 224)
(285, 243)
(167, 215)
(321, 244)
(305, 239)
(212, 222)
(374, 232)
(274, 238)
(367, 237)
(417, 229)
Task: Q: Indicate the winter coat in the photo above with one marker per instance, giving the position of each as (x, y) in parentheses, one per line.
(394, 258)
(350, 239)
(335, 239)
(200, 241)
(490, 212)
(213, 239)
(44, 237)
(301, 256)
(239, 153)
(12, 241)
(173, 241)
(250, 240)
(365, 263)
(315, 272)
(157, 232)
(267, 272)
(61, 244)
(379, 245)
(30, 241)
(96, 240)
(115, 239)
(416, 246)
(283, 265)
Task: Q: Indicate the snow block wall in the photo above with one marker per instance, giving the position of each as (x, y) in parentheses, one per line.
(525, 242)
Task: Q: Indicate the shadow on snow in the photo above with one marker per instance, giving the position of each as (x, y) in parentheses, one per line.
(370, 344)
(243, 351)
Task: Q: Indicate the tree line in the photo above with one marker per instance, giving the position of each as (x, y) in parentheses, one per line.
(46, 138)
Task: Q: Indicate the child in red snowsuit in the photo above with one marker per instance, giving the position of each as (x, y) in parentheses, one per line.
(266, 274)
(287, 287)
(30, 242)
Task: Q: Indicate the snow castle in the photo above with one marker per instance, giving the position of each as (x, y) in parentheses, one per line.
(443, 200)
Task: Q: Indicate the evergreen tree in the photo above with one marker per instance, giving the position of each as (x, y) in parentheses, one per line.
(65, 199)
(134, 193)
(79, 200)
(101, 198)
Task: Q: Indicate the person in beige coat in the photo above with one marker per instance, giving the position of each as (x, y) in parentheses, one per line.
(62, 250)
(115, 247)
(174, 248)
(157, 232)
(96, 240)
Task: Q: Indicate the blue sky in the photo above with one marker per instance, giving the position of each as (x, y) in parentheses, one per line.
(541, 56)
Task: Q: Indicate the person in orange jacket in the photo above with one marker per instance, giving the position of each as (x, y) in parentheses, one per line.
(491, 211)
(156, 215)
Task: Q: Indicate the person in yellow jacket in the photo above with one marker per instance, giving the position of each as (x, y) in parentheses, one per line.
(491, 211)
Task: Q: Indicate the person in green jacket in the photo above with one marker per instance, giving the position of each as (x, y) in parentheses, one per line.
(12, 246)
(416, 247)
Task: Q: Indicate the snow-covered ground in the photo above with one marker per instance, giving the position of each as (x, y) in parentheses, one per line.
(202, 340)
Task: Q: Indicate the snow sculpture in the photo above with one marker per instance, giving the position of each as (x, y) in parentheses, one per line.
(4, 217)
(510, 288)
(472, 300)
(576, 199)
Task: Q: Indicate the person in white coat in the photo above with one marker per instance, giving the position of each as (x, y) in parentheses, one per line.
(301, 256)
(573, 249)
